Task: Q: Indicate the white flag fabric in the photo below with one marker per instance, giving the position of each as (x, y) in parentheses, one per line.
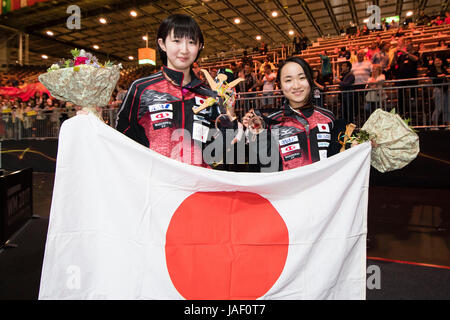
(129, 223)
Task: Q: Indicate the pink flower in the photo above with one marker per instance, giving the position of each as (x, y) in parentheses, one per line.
(80, 60)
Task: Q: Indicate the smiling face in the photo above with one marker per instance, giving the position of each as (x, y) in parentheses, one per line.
(181, 52)
(295, 85)
(437, 62)
(360, 56)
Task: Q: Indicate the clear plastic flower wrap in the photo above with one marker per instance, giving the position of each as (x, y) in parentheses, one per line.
(396, 142)
(82, 81)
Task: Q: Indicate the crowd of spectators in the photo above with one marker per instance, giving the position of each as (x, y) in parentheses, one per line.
(397, 60)
(359, 68)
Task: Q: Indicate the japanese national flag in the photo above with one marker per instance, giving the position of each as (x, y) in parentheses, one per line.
(128, 223)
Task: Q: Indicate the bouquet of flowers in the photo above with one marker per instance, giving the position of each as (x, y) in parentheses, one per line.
(396, 144)
(82, 80)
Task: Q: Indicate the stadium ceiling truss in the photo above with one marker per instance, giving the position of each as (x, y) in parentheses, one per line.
(122, 35)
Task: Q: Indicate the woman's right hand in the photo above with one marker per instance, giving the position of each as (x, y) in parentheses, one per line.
(252, 122)
(247, 117)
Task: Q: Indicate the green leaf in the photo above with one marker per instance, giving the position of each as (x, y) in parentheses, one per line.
(75, 52)
(109, 64)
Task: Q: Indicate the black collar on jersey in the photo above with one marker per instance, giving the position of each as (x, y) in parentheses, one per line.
(288, 111)
(177, 77)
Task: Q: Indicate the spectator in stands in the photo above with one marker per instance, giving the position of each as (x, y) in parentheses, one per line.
(373, 48)
(438, 21)
(15, 82)
(447, 17)
(49, 103)
(203, 78)
(441, 45)
(303, 42)
(249, 84)
(263, 48)
(246, 59)
(343, 53)
(353, 52)
(297, 45)
(362, 69)
(120, 96)
(38, 100)
(235, 68)
(268, 84)
(213, 72)
(400, 32)
(196, 69)
(405, 67)
(374, 97)
(378, 42)
(327, 72)
(426, 59)
(438, 71)
(259, 78)
(394, 24)
(346, 84)
(382, 58)
(319, 87)
(267, 61)
(421, 47)
(364, 31)
(422, 19)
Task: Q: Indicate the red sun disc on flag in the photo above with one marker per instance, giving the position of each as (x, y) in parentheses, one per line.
(225, 245)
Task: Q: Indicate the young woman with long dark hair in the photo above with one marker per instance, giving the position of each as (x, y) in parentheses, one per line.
(300, 133)
(156, 106)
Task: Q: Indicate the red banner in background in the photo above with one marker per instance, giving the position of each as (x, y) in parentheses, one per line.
(24, 93)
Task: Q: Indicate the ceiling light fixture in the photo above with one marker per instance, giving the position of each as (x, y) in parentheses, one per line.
(291, 32)
(131, 57)
(96, 47)
(102, 20)
(133, 13)
(44, 56)
(258, 37)
(144, 38)
(50, 33)
(409, 13)
(237, 20)
(274, 14)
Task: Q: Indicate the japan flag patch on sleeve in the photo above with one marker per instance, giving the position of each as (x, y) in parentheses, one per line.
(323, 127)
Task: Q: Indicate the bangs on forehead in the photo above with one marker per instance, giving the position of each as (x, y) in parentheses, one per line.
(179, 26)
(186, 30)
